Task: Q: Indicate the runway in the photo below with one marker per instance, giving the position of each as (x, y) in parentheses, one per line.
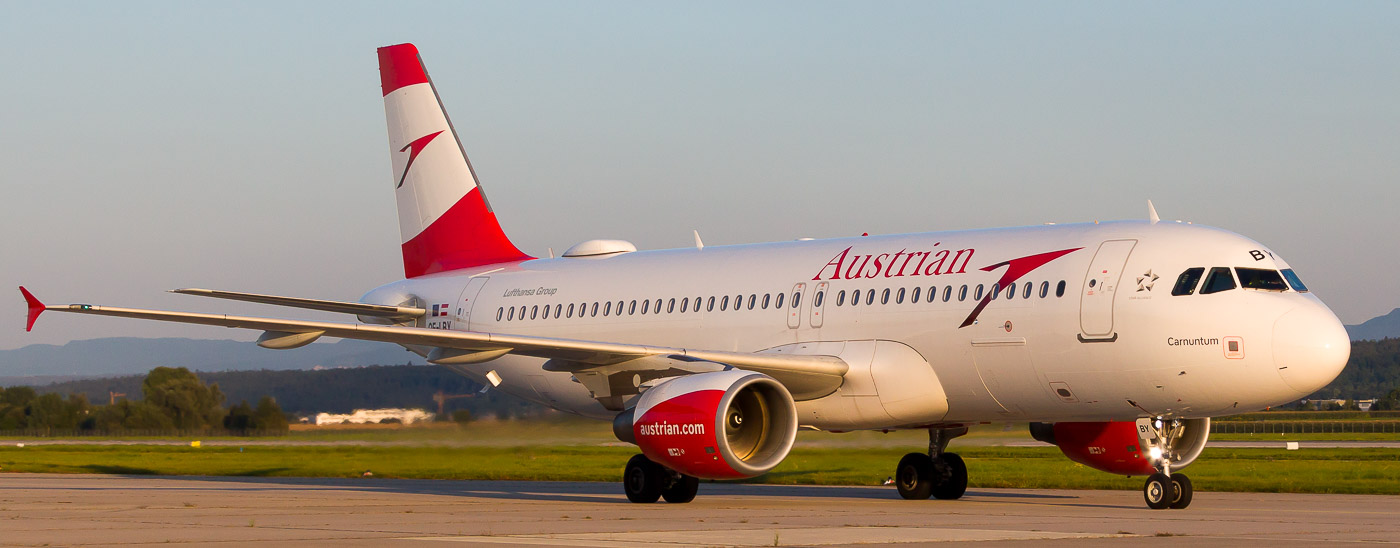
(45, 509)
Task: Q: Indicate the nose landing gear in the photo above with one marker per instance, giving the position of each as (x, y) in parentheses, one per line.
(1163, 489)
(938, 474)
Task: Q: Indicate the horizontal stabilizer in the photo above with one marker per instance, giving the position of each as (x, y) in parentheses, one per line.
(360, 309)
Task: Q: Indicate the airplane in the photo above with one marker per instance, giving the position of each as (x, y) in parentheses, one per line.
(1116, 341)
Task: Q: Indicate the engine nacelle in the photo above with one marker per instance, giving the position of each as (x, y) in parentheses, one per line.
(722, 425)
(1117, 447)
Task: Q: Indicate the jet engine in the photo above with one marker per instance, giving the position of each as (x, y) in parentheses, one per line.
(722, 425)
(1124, 447)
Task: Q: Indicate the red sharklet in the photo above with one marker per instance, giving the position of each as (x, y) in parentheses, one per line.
(35, 308)
(1015, 269)
(467, 235)
(400, 66)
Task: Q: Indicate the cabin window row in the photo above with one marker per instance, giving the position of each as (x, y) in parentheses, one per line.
(751, 301)
(1013, 290)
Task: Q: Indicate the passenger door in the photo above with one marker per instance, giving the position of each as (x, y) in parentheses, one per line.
(1100, 287)
(467, 302)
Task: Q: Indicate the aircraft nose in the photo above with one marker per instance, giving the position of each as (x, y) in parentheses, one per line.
(1310, 347)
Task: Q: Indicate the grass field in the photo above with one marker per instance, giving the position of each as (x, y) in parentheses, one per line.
(574, 453)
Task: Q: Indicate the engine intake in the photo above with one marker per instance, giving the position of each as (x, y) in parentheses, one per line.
(722, 425)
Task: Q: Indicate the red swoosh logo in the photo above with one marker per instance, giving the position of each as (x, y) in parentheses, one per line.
(1015, 269)
(413, 149)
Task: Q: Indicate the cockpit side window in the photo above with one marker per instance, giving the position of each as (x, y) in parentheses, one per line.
(1218, 280)
(1294, 281)
(1186, 283)
(1259, 278)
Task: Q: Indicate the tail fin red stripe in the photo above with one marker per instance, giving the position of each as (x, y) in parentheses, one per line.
(400, 66)
(439, 247)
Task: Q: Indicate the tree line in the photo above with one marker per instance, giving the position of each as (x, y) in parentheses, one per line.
(173, 399)
(339, 390)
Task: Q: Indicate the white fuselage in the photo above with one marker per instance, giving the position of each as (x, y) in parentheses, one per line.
(1115, 345)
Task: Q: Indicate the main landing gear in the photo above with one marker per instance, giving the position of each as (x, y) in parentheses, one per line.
(1163, 489)
(939, 474)
(647, 481)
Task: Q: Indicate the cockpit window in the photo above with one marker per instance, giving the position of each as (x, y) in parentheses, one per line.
(1259, 278)
(1186, 284)
(1218, 280)
(1293, 280)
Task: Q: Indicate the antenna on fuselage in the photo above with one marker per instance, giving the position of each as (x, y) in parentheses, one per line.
(698, 244)
(1152, 213)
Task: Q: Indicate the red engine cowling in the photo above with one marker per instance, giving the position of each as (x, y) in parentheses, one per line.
(1116, 448)
(722, 425)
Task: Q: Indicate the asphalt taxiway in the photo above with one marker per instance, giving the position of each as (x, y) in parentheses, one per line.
(47, 509)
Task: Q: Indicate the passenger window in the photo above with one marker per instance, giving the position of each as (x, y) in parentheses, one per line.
(557, 309)
(899, 296)
(571, 310)
(914, 295)
(710, 305)
(962, 293)
(841, 297)
(595, 309)
(977, 295)
(724, 303)
(1044, 289)
(685, 305)
(1011, 290)
(996, 291)
(1218, 280)
(1186, 282)
(1294, 281)
(796, 299)
(1060, 289)
(607, 308)
(1026, 294)
(778, 301)
(738, 302)
(932, 293)
(500, 312)
(766, 298)
(633, 309)
(645, 306)
(885, 296)
(619, 308)
(947, 293)
(753, 301)
(1259, 278)
(870, 297)
(817, 301)
(522, 312)
(855, 298)
(671, 305)
(534, 311)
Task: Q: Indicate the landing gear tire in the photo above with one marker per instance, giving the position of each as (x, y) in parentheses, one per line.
(1181, 491)
(643, 480)
(1158, 491)
(954, 483)
(915, 476)
(681, 489)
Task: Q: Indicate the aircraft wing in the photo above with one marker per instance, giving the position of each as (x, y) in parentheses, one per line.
(399, 313)
(805, 376)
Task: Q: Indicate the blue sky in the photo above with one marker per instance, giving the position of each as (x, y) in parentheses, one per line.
(148, 146)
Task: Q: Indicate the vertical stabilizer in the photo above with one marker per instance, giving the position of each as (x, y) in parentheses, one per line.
(445, 221)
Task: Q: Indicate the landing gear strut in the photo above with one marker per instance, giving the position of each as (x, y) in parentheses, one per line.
(939, 474)
(1163, 489)
(646, 481)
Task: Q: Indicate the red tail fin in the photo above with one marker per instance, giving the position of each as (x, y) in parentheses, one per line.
(445, 221)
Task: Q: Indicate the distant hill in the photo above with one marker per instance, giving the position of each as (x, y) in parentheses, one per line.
(131, 356)
(1374, 329)
(1372, 371)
